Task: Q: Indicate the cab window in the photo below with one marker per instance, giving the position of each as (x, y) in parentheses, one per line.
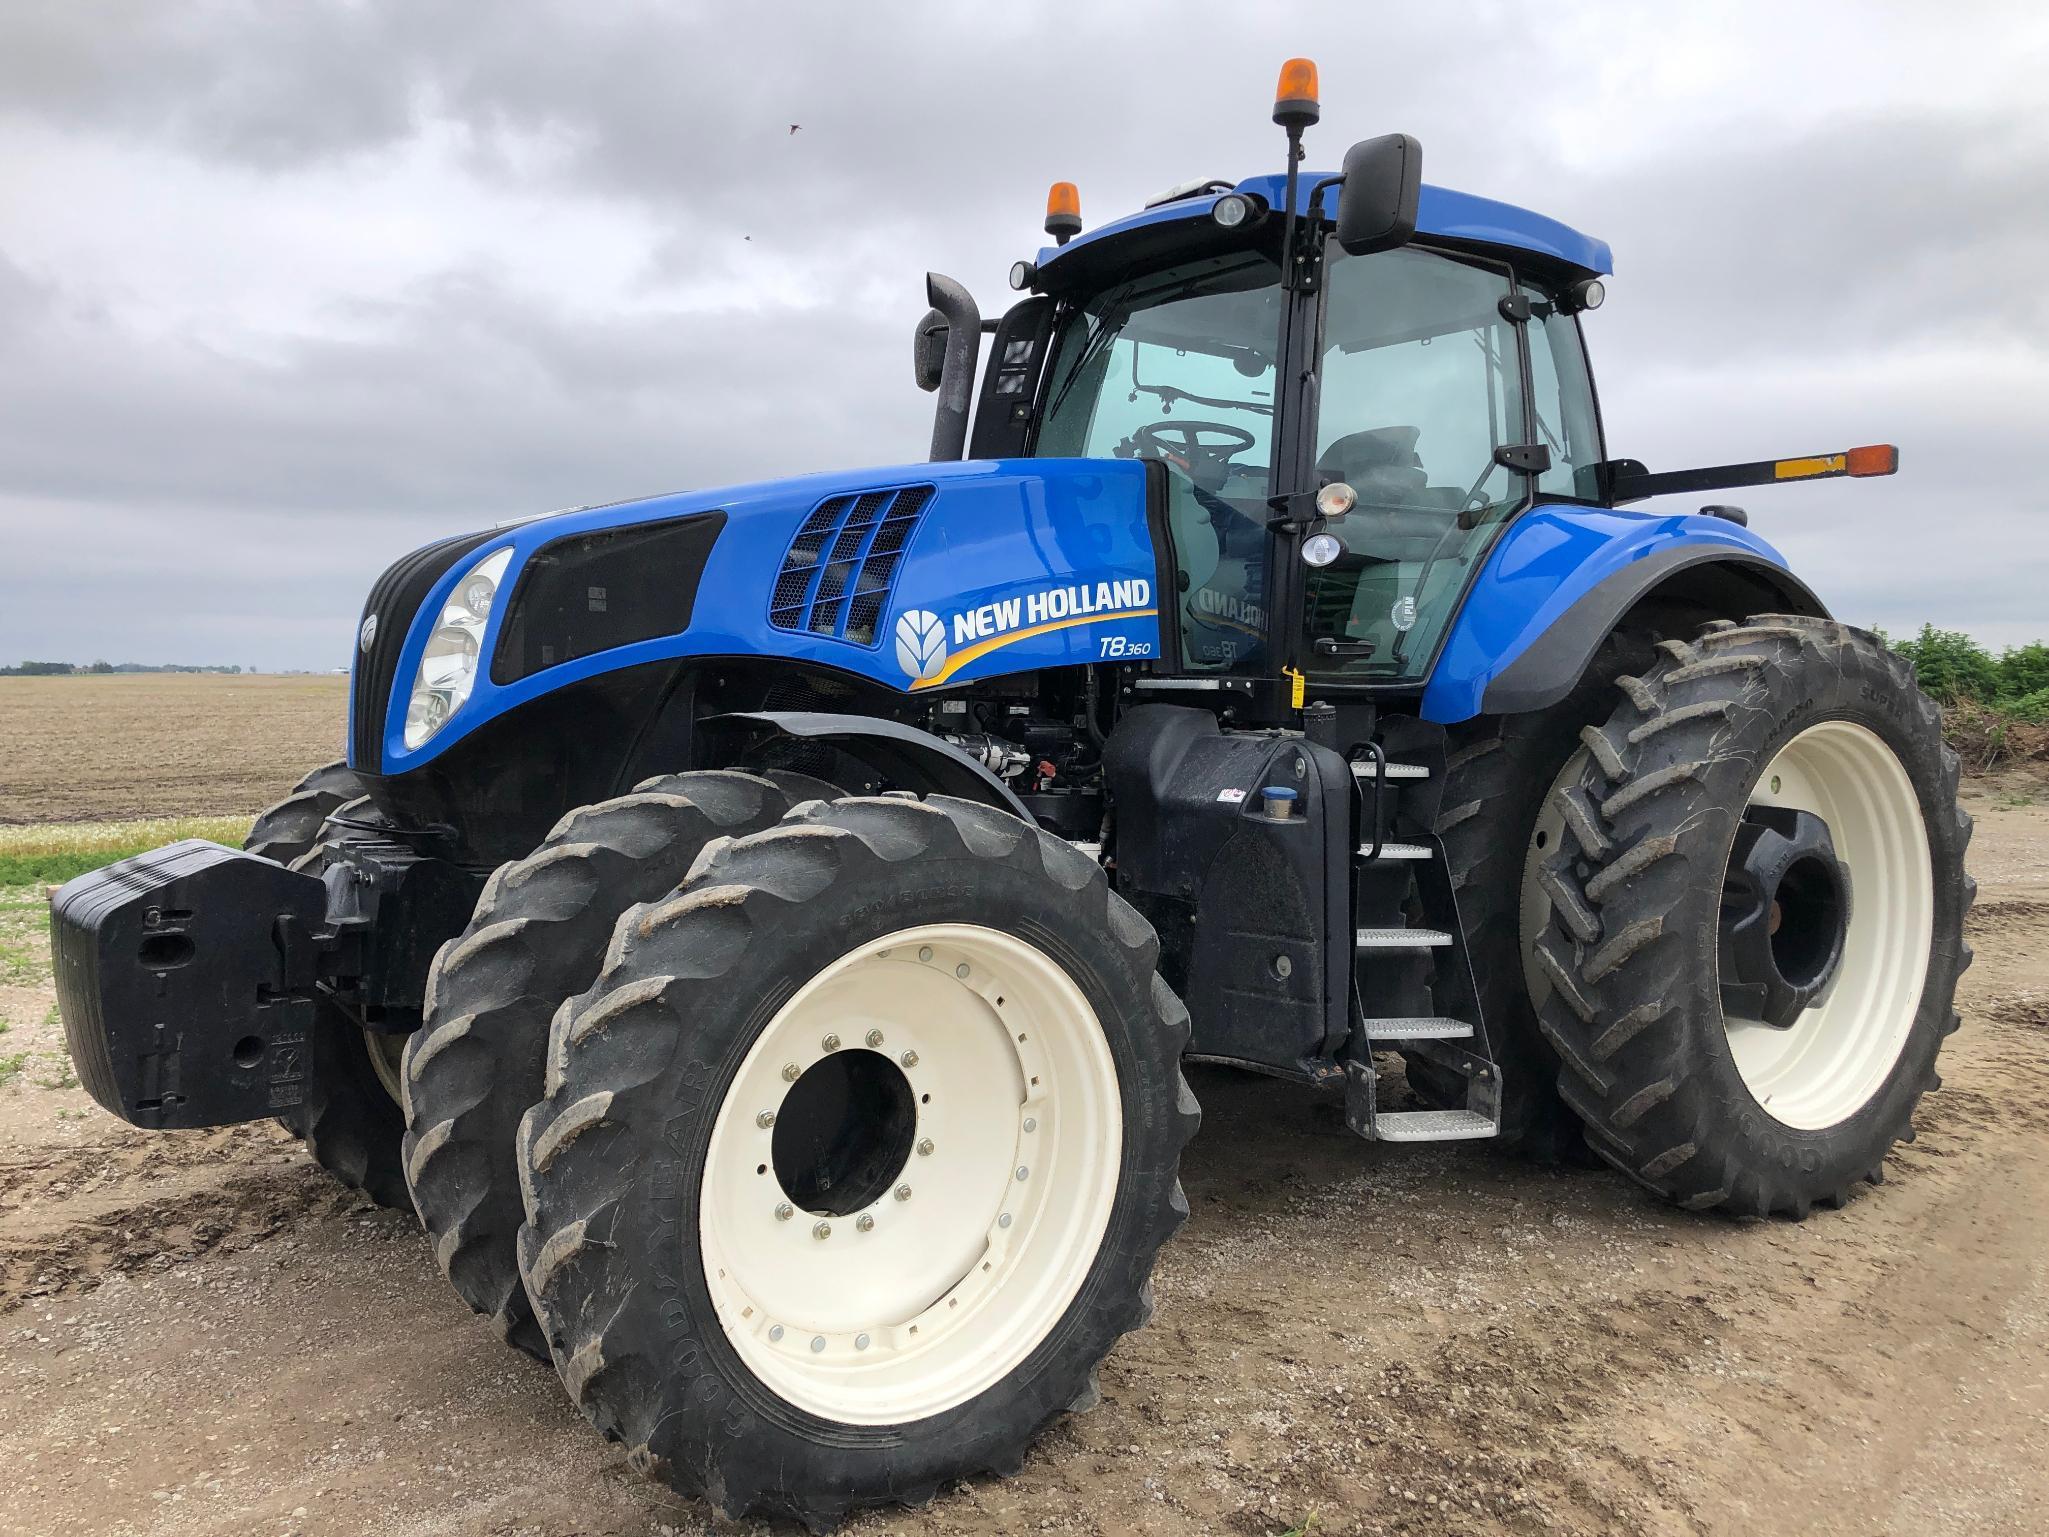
(1562, 402)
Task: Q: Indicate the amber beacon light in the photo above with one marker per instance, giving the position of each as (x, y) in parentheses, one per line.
(1063, 211)
(1295, 97)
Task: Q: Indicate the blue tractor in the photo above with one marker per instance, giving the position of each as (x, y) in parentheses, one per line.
(760, 930)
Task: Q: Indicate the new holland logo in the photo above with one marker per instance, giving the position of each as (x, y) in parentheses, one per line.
(923, 650)
(920, 643)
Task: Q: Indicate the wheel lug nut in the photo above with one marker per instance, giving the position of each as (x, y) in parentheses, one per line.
(792, 1072)
(925, 1148)
(865, 1222)
(765, 1120)
(821, 1230)
(775, 1332)
(961, 971)
(817, 1344)
(874, 1039)
(830, 1043)
(1023, 1172)
(785, 1211)
(1004, 1220)
(925, 953)
(909, 1059)
(903, 1192)
(860, 1342)
(1031, 1123)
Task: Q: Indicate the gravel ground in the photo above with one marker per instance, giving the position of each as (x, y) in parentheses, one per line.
(200, 1334)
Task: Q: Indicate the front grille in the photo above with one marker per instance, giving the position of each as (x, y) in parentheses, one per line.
(394, 599)
(842, 566)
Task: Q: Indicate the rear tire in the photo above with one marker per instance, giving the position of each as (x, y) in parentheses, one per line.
(1499, 772)
(539, 936)
(1785, 714)
(697, 1315)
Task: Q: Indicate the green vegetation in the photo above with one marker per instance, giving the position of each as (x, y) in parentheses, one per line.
(62, 1075)
(1955, 669)
(56, 851)
(10, 1066)
(1995, 709)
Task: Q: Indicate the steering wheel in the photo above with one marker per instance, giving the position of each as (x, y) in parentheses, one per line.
(1191, 444)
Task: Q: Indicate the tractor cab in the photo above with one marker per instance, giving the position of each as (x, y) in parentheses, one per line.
(1449, 390)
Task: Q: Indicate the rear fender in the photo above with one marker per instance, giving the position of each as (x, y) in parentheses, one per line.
(1562, 578)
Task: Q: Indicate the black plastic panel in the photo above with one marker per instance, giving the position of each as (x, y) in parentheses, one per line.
(587, 593)
(1253, 911)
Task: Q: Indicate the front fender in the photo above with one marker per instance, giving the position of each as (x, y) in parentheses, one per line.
(1558, 582)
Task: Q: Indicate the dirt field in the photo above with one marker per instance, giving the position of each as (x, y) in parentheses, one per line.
(161, 744)
(199, 1333)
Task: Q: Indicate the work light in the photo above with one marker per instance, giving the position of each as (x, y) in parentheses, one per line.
(1231, 210)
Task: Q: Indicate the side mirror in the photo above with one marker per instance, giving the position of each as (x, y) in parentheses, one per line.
(928, 351)
(1377, 205)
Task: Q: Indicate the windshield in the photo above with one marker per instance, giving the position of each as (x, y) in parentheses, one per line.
(1178, 366)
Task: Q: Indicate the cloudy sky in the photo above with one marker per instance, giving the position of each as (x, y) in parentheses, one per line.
(286, 290)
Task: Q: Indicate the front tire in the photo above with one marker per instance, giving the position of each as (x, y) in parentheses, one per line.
(855, 1161)
(1780, 720)
(537, 937)
(351, 1119)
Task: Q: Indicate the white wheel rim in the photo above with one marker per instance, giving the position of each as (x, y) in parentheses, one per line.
(1827, 1065)
(941, 1294)
(387, 1061)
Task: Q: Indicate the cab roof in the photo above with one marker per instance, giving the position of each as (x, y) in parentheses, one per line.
(1440, 212)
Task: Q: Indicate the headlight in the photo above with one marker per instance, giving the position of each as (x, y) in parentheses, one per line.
(455, 648)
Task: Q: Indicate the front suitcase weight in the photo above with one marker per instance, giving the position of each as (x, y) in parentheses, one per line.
(185, 984)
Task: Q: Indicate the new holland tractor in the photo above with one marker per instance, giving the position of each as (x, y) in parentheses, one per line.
(760, 930)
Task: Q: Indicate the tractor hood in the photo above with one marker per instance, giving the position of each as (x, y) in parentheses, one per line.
(913, 577)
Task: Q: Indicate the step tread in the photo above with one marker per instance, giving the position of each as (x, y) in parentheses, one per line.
(1431, 1126)
(1401, 939)
(1393, 850)
(1365, 768)
(1417, 1027)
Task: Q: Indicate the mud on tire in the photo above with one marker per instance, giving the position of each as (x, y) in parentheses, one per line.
(538, 935)
(1636, 1013)
(614, 1160)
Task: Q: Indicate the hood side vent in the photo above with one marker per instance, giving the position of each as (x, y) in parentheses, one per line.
(842, 566)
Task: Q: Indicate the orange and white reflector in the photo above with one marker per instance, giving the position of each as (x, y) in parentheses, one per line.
(1872, 459)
